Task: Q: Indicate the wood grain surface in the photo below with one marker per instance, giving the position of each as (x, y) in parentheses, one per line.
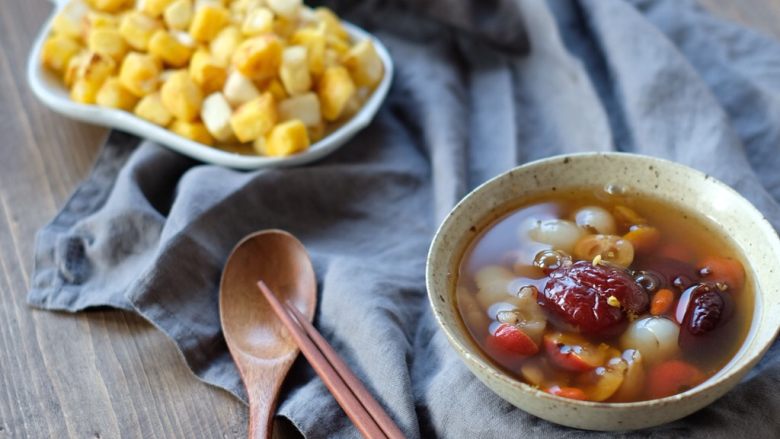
(103, 374)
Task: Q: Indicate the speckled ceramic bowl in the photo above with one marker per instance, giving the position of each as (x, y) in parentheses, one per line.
(674, 183)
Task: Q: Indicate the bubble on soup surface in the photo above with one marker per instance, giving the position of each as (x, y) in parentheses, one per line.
(656, 338)
(596, 219)
(550, 260)
(560, 234)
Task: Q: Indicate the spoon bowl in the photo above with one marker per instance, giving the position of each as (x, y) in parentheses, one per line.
(258, 342)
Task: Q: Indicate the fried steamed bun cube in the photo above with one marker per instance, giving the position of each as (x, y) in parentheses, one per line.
(69, 21)
(151, 108)
(335, 90)
(178, 15)
(137, 29)
(206, 71)
(153, 8)
(114, 95)
(90, 74)
(239, 89)
(258, 21)
(259, 58)
(57, 52)
(192, 130)
(208, 20)
(174, 48)
(254, 118)
(139, 73)
(108, 5)
(364, 64)
(181, 96)
(107, 42)
(224, 44)
(285, 8)
(215, 114)
(305, 107)
(285, 139)
(294, 70)
(315, 42)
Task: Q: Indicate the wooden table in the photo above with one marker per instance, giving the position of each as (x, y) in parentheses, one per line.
(102, 374)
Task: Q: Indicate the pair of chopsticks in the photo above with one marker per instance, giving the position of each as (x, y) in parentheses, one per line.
(367, 415)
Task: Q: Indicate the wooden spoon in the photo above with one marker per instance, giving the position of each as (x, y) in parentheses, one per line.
(258, 341)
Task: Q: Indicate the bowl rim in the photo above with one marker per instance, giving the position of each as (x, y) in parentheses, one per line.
(751, 355)
(49, 91)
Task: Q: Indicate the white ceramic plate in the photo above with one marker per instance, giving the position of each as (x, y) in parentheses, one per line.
(50, 90)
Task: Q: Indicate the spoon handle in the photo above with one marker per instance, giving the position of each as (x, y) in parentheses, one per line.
(260, 420)
(341, 392)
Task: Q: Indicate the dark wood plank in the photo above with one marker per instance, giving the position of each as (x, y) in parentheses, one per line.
(107, 373)
(98, 374)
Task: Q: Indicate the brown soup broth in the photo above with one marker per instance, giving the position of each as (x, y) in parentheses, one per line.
(500, 242)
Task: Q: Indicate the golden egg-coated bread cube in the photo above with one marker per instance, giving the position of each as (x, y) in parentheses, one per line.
(178, 15)
(108, 5)
(84, 92)
(140, 73)
(285, 27)
(98, 20)
(239, 89)
(276, 88)
(137, 29)
(72, 69)
(57, 52)
(90, 73)
(364, 64)
(151, 108)
(305, 107)
(114, 95)
(206, 72)
(181, 96)
(224, 44)
(294, 70)
(332, 58)
(286, 138)
(68, 22)
(240, 8)
(259, 57)
(314, 40)
(107, 42)
(258, 21)
(215, 114)
(332, 23)
(254, 118)
(192, 130)
(208, 20)
(285, 8)
(335, 90)
(174, 48)
(337, 44)
(154, 8)
(95, 68)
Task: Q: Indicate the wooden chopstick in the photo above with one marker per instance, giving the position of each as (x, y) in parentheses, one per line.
(363, 395)
(332, 379)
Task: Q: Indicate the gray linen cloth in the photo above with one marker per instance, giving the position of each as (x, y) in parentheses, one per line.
(149, 230)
